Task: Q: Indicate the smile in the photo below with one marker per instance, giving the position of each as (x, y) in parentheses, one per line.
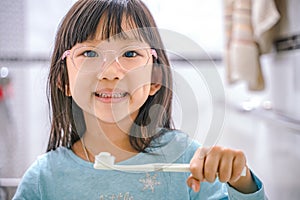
(111, 95)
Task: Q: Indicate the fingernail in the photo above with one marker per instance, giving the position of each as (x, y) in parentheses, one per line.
(194, 187)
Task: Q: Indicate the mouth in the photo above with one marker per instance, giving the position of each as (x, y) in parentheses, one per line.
(111, 96)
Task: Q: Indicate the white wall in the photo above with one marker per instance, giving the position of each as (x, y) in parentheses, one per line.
(201, 20)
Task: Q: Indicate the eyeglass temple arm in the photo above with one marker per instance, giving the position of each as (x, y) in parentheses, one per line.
(154, 53)
(65, 54)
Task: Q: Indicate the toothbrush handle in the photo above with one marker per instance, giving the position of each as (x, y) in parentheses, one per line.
(181, 168)
(150, 167)
(172, 167)
(146, 167)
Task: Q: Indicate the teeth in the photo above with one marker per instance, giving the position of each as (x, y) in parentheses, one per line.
(111, 95)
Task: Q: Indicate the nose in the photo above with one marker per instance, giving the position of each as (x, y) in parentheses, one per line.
(111, 70)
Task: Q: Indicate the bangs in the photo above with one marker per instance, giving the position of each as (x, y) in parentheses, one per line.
(113, 28)
(113, 17)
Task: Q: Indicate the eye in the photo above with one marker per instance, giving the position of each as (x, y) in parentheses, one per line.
(130, 54)
(90, 53)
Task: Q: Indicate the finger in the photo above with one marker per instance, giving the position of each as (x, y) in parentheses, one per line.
(239, 163)
(197, 164)
(225, 167)
(211, 165)
(193, 183)
(202, 152)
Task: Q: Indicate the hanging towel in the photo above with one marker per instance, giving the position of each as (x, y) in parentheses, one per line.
(264, 18)
(245, 23)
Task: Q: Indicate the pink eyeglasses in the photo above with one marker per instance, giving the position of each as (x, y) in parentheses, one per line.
(89, 58)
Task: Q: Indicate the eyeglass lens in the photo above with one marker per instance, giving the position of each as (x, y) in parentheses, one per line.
(88, 58)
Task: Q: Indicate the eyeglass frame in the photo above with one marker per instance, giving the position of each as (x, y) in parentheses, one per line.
(68, 53)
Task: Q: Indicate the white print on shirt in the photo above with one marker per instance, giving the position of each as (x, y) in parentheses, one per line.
(149, 182)
(120, 196)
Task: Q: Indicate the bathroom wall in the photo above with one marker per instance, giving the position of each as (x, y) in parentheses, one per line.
(27, 30)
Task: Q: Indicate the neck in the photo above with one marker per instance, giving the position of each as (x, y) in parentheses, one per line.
(108, 137)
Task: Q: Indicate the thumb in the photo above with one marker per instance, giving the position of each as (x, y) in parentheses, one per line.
(193, 183)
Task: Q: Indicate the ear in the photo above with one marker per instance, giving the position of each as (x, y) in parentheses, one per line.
(67, 88)
(156, 77)
(156, 80)
(67, 91)
(154, 88)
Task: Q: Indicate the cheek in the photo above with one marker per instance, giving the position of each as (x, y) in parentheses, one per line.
(79, 82)
(81, 86)
(82, 93)
(139, 79)
(140, 95)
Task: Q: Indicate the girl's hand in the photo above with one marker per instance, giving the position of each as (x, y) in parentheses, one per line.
(227, 164)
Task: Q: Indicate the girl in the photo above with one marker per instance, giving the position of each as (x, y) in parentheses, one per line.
(110, 88)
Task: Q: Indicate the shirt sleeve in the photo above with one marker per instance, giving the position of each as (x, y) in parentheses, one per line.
(28, 189)
(258, 195)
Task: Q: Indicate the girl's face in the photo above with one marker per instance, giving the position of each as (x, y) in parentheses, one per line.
(111, 79)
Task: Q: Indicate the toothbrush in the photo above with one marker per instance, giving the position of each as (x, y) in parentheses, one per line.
(106, 161)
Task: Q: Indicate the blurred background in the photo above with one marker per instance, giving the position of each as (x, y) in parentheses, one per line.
(258, 67)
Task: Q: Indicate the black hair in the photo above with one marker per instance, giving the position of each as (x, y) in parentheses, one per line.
(79, 25)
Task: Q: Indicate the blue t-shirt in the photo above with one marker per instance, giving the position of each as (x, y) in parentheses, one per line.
(60, 174)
